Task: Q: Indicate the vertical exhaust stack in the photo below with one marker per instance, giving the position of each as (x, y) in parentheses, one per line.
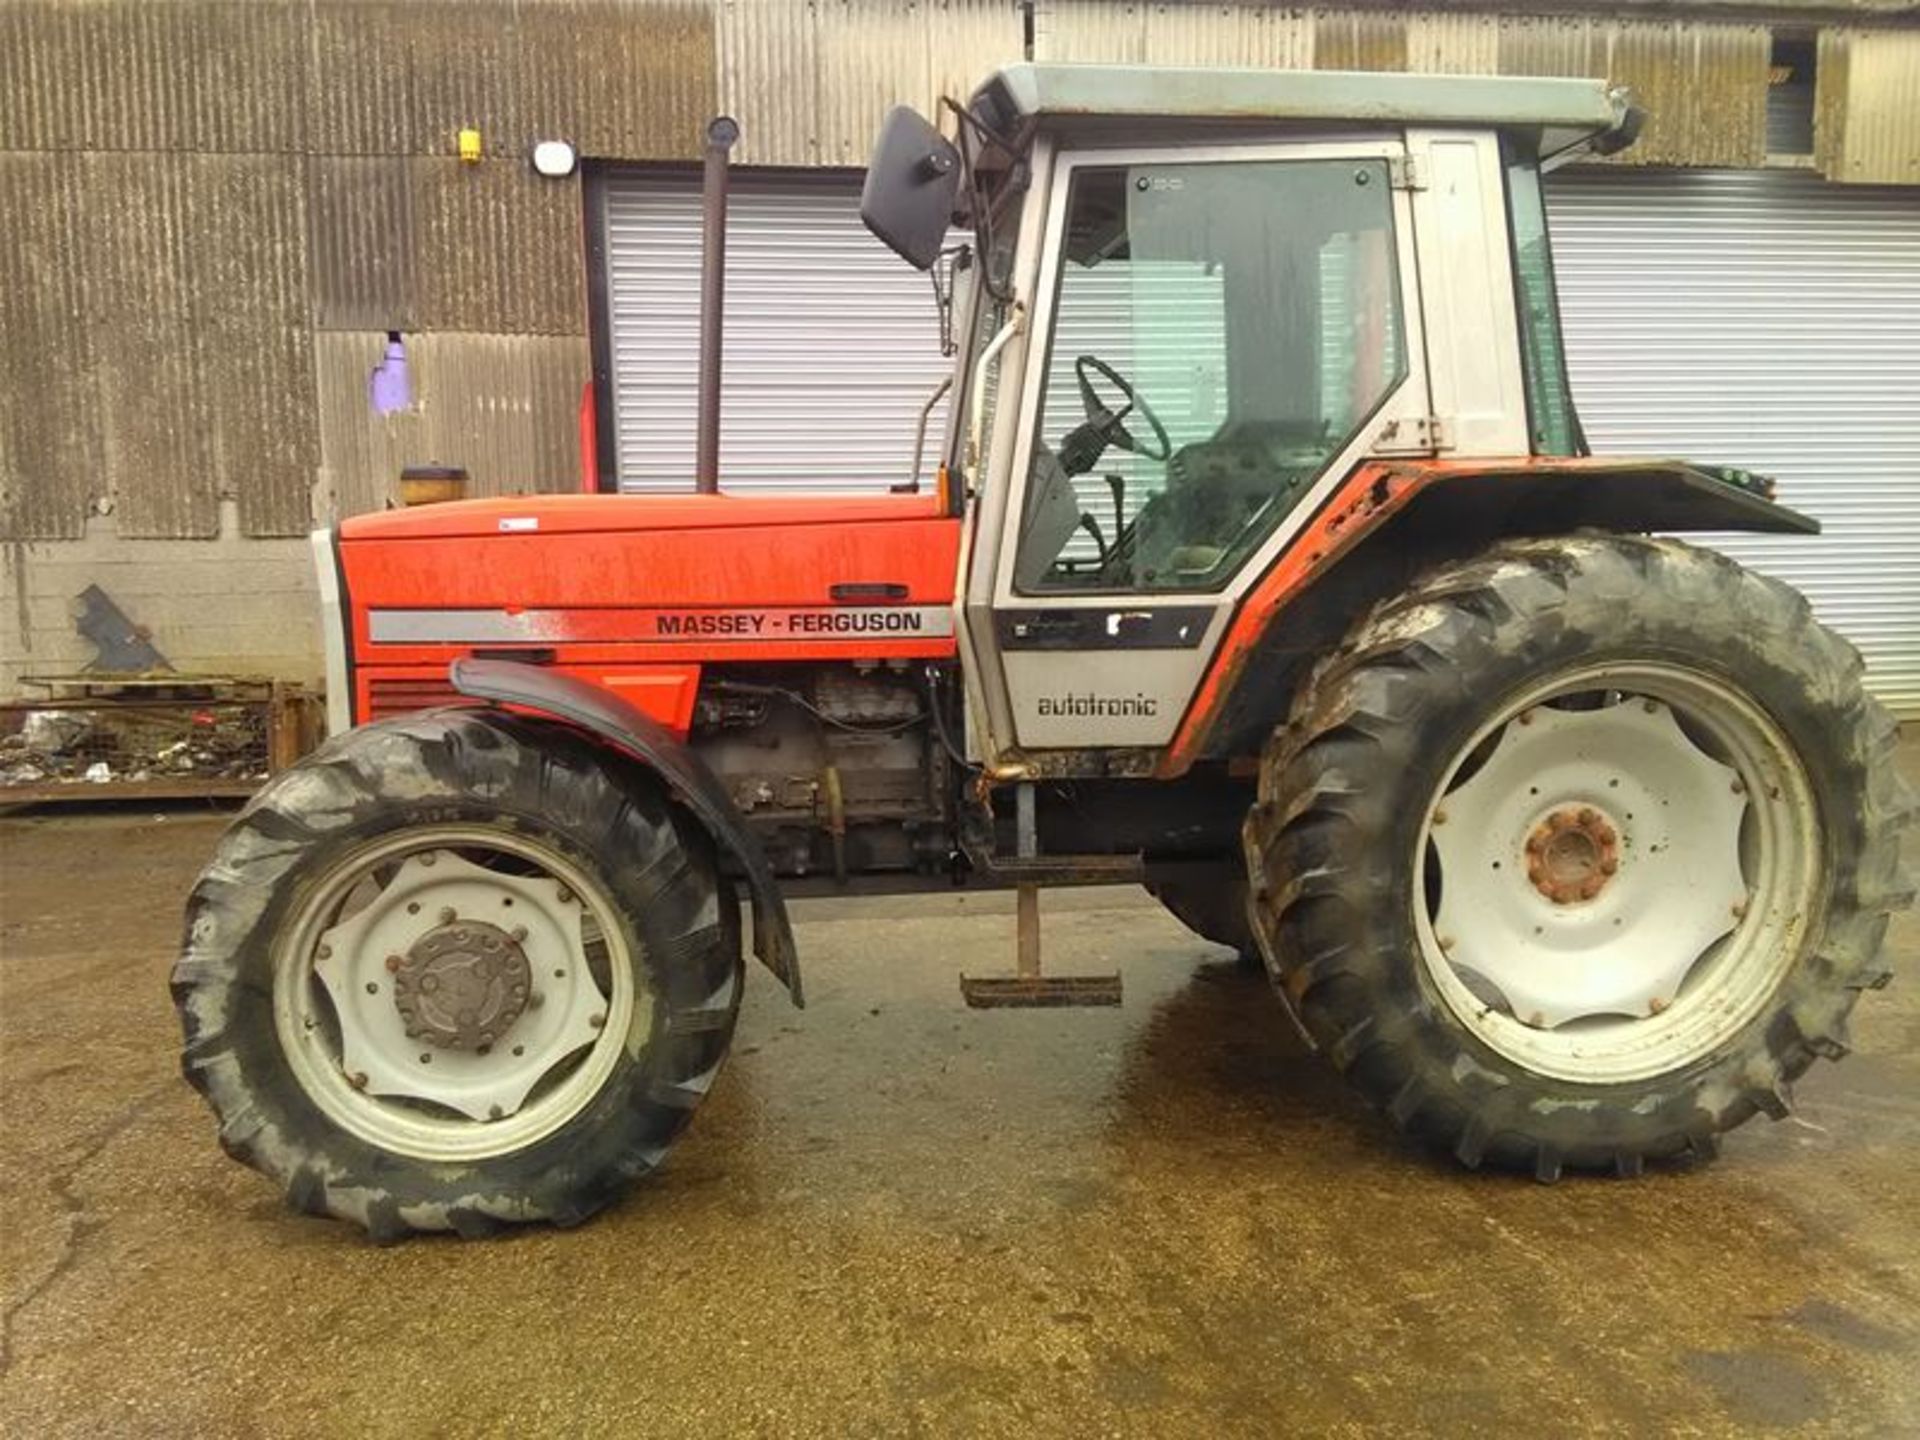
(722, 132)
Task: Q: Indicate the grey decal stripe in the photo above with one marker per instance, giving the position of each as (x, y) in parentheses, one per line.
(659, 626)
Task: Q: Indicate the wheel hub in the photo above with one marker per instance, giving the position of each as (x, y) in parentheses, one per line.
(1572, 854)
(461, 985)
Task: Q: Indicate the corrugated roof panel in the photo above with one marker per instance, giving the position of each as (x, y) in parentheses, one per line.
(1867, 116)
(155, 412)
(360, 79)
(810, 83)
(49, 441)
(769, 79)
(1772, 321)
(634, 79)
(1450, 44)
(361, 215)
(1359, 40)
(497, 249)
(250, 322)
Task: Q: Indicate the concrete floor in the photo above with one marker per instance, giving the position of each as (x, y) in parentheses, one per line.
(899, 1217)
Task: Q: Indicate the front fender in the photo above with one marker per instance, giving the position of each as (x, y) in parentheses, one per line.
(639, 736)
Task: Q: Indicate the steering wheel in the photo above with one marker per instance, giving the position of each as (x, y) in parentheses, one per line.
(1108, 424)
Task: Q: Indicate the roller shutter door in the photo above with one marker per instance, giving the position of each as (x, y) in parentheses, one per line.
(1770, 321)
(831, 347)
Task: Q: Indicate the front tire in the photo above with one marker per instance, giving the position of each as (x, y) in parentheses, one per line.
(1579, 853)
(455, 970)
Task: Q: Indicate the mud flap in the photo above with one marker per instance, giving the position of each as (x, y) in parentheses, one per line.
(637, 734)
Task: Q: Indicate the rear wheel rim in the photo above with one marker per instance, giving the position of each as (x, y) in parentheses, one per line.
(368, 956)
(1616, 873)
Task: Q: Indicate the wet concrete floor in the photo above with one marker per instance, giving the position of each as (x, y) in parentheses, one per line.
(896, 1216)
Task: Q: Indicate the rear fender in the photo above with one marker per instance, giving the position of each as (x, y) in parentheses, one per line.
(638, 736)
(1393, 519)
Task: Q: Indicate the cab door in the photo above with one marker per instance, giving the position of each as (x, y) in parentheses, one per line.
(1216, 336)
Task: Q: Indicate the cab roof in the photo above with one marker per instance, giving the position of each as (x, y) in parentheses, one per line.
(1553, 114)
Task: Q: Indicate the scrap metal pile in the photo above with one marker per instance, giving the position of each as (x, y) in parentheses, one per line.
(101, 741)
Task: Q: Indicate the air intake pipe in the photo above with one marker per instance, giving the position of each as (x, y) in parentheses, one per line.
(722, 132)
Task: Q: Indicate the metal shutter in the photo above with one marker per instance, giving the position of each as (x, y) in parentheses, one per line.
(1770, 321)
(831, 348)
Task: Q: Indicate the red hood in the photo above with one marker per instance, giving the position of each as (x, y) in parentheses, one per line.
(589, 514)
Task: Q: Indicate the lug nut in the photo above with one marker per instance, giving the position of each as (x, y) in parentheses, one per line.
(1439, 817)
(447, 916)
(597, 1021)
(325, 952)
(394, 962)
(358, 1079)
(1656, 1005)
(427, 858)
(494, 1112)
(519, 933)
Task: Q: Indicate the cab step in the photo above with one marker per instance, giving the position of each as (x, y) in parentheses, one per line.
(1027, 987)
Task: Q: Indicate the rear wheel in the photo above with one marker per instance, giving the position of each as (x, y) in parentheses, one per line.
(455, 970)
(1580, 853)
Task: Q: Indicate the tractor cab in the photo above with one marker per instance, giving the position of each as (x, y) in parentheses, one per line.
(1192, 303)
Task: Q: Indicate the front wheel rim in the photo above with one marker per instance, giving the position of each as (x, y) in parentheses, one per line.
(367, 959)
(1615, 874)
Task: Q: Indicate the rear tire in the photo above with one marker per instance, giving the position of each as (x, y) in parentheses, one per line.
(1424, 699)
(614, 1015)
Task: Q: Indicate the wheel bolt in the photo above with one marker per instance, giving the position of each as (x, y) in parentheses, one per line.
(428, 858)
(1526, 717)
(519, 933)
(358, 1079)
(597, 1021)
(1439, 817)
(447, 916)
(1739, 787)
(494, 1112)
(1739, 909)
(394, 962)
(325, 952)
(1656, 1005)
(564, 895)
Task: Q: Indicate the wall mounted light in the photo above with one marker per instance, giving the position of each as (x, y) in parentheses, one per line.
(555, 159)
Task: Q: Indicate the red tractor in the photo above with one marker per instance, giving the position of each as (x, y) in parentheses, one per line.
(1265, 566)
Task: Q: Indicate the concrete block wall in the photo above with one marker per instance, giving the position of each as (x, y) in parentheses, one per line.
(232, 605)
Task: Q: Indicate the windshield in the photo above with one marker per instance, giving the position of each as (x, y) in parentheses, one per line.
(1220, 332)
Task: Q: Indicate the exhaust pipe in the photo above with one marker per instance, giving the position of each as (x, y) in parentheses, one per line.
(722, 132)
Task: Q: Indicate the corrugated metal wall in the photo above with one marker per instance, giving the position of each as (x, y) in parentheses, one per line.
(206, 206)
(194, 195)
(1771, 321)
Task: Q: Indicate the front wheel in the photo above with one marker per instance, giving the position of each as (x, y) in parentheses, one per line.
(1579, 853)
(454, 970)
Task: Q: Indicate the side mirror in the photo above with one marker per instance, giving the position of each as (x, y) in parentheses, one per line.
(907, 200)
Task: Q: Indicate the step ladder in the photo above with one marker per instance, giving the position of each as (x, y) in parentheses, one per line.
(1028, 987)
